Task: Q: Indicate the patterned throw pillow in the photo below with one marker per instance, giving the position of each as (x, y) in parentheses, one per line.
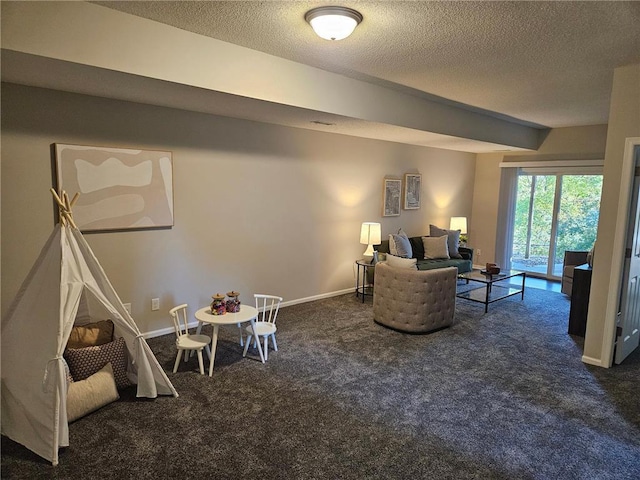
(84, 362)
(67, 372)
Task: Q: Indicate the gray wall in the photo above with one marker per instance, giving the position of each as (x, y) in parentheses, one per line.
(258, 208)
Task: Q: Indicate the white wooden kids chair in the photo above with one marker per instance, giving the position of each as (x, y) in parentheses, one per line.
(186, 342)
(268, 307)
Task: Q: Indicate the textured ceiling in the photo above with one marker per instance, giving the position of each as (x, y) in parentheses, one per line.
(542, 63)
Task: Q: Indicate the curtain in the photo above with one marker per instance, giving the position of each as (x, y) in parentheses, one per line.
(506, 216)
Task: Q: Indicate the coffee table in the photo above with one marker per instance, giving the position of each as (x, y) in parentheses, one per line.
(495, 286)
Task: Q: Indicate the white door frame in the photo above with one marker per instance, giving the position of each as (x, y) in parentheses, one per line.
(619, 246)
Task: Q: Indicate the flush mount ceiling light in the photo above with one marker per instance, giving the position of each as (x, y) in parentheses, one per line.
(333, 23)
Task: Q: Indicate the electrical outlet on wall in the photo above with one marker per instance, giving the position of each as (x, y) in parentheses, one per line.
(478, 252)
(155, 304)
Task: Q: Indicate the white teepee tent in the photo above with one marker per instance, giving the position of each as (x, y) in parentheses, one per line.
(35, 332)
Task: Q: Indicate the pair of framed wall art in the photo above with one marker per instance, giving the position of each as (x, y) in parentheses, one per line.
(396, 194)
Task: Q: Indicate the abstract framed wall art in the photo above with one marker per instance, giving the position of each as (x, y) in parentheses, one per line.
(120, 188)
(412, 189)
(391, 197)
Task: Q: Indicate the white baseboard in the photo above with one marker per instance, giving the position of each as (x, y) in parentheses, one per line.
(594, 361)
(163, 331)
(289, 303)
(318, 297)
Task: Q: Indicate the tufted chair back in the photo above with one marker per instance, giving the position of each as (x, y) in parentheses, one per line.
(415, 301)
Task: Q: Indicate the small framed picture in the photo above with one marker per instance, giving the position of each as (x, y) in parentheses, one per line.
(412, 190)
(391, 197)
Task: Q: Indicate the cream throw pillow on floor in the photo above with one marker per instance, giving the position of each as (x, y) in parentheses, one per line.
(88, 395)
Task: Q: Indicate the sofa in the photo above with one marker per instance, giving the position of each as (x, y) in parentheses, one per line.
(414, 301)
(464, 264)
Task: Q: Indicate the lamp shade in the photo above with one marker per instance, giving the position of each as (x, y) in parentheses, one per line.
(370, 235)
(459, 223)
(333, 23)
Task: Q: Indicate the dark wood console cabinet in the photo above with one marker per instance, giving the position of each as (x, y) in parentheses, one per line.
(580, 300)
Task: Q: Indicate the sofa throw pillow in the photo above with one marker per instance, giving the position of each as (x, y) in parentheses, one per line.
(392, 245)
(91, 334)
(91, 394)
(86, 361)
(401, 245)
(435, 248)
(453, 239)
(399, 262)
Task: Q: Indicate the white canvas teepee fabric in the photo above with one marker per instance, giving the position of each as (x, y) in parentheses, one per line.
(34, 335)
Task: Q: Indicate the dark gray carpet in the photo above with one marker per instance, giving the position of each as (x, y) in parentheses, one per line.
(501, 395)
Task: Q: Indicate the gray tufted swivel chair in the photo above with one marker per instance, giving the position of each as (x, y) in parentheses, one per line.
(414, 301)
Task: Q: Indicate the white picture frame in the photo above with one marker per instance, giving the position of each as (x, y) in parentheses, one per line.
(412, 191)
(391, 197)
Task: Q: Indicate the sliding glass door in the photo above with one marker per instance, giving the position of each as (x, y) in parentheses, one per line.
(554, 213)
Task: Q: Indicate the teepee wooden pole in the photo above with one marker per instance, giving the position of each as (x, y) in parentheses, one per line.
(56, 197)
(69, 217)
(64, 207)
(61, 218)
(68, 213)
(65, 199)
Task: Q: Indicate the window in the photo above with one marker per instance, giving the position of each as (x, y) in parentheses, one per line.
(554, 212)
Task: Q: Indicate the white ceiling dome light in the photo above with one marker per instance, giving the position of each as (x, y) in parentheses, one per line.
(333, 23)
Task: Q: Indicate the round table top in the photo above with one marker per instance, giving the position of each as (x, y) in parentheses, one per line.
(246, 313)
(365, 262)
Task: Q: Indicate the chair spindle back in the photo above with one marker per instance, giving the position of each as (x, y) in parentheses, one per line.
(268, 307)
(179, 316)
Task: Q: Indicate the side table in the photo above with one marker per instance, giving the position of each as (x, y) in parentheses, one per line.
(362, 287)
(579, 309)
